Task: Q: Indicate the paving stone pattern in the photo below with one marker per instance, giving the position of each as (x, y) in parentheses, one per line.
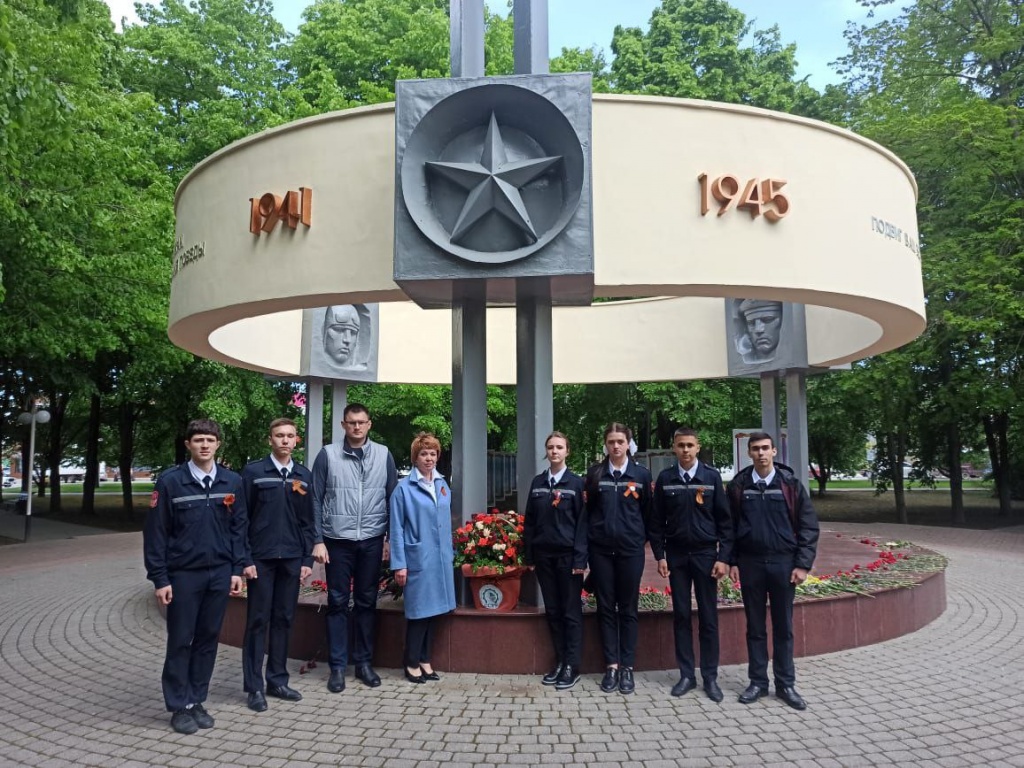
(82, 648)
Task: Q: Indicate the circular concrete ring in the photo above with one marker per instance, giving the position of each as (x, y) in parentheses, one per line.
(847, 247)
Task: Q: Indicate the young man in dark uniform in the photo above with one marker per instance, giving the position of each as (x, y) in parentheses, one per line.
(691, 536)
(618, 496)
(278, 493)
(776, 532)
(195, 548)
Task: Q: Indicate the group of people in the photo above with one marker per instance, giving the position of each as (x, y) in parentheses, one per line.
(762, 531)
(212, 532)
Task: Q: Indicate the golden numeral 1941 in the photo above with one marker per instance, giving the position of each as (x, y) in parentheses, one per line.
(292, 208)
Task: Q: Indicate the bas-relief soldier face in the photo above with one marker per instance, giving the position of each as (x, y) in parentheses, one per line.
(764, 325)
(341, 329)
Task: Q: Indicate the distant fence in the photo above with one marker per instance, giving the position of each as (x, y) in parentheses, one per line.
(501, 476)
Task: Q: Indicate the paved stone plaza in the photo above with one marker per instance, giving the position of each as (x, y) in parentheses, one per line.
(82, 647)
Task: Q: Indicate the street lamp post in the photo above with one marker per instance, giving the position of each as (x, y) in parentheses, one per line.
(31, 418)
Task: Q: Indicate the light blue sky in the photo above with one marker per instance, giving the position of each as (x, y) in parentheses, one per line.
(816, 26)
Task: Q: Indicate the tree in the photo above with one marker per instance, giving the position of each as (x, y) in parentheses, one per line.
(698, 49)
(942, 84)
(349, 53)
(837, 423)
(216, 70)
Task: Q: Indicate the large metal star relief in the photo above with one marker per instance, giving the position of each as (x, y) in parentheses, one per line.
(493, 185)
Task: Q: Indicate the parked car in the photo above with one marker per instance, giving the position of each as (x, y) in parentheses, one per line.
(10, 482)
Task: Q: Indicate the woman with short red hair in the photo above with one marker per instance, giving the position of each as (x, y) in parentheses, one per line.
(422, 556)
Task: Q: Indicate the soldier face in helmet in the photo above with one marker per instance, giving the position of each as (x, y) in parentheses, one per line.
(341, 331)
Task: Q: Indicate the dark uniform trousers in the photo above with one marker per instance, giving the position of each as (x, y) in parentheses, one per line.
(199, 598)
(616, 578)
(693, 570)
(354, 569)
(768, 578)
(272, 597)
(563, 605)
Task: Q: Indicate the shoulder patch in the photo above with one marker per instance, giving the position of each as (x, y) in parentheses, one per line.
(154, 499)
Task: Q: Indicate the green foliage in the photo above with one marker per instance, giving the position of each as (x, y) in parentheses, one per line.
(654, 411)
(705, 49)
(216, 70)
(584, 60)
(942, 84)
(349, 53)
(838, 418)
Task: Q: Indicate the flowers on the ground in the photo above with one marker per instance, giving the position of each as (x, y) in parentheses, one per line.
(651, 599)
(654, 599)
(729, 591)
(313, 589)
(492, 540)
(891, 569)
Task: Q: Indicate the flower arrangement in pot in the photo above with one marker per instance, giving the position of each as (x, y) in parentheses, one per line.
(489, 549)
(490, 541)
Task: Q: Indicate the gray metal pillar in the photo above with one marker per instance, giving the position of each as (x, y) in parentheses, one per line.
(534, 368)
(314, 419)
(796, 424)
(530, 37)
(534, 391)
(469, 401)
(770, 418)
(339, 399)
(467, 38)
(469, 321)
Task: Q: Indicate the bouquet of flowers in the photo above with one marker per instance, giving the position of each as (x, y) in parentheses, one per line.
(493, 540)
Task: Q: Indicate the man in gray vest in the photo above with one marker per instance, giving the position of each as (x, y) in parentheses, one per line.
(352, 482)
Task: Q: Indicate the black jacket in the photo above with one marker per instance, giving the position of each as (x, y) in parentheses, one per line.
(556, 518)
(618, 511)
(280, 511)
(691, 517)
(780, 521)
(188, 527)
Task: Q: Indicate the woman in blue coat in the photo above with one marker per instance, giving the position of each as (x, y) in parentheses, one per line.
(422, 557)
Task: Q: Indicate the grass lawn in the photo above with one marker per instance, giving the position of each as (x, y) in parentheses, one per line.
(924, 507)
(109, 512)
(969, 485)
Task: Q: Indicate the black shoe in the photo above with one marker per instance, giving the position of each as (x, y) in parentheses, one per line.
(552, 677)
(713, 691)
(183, 722)
(201, 716)
(365, 673)
(626, 684)
(257, 701)
(336, 684)
(418, 679)
(684, 686)
(752, 694)
(431, 675)
(284, 692)
(569, 677)
(610, 681)
(791, 697)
